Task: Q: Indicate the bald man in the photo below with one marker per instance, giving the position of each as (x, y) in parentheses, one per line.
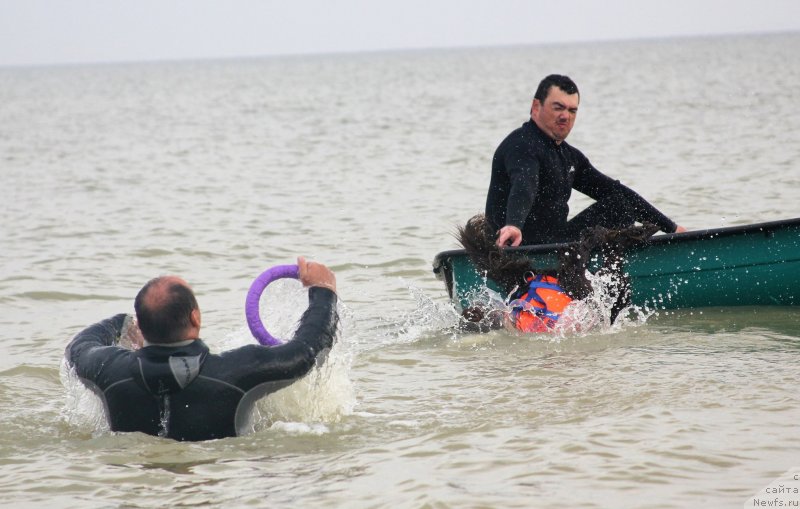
(172, 386)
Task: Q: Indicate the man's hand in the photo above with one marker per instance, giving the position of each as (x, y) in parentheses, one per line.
(509, 235)
(680, 229)
(315, 274)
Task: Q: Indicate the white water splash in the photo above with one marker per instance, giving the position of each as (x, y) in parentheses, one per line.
(593, 314)
(300, 428)
(326, 393)
(580, 318)
(426, 318)
(83, 409)
(323, 396)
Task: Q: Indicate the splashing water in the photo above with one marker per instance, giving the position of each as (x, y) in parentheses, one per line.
(593, 314)
(580, 318)
(427, 316)
(83, 409)
(326, 393)
(323, 396)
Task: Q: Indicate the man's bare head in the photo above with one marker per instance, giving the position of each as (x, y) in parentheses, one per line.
(167, 311)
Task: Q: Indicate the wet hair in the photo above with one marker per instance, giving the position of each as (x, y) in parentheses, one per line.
(562, 82)
(508, 268)
(163, 320)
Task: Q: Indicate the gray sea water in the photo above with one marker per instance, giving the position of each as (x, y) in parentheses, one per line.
(216, 170)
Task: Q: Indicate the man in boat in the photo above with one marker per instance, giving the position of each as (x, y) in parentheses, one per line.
(534, 171)
(171, 385)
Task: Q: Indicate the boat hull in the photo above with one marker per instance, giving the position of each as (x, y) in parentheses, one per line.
(751, 265)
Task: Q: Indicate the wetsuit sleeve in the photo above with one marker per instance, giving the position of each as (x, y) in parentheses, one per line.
(255, 364)
(318, 324)
(86, 351)
(591, 182)
(522, 166)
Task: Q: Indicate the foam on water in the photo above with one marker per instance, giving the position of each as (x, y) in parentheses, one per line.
(300, 428)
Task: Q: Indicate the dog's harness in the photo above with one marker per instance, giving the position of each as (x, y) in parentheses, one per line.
(538, 307)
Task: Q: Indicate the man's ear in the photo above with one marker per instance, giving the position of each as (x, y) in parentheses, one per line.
(536, 105)
(194, 318)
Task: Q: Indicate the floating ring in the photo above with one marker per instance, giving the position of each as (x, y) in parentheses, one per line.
(251, 310)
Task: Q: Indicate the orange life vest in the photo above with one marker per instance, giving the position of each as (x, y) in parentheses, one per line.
(539, 307)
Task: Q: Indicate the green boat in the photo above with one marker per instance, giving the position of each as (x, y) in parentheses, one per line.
(750, 265)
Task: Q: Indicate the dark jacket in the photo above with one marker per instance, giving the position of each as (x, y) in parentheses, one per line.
(532, 180)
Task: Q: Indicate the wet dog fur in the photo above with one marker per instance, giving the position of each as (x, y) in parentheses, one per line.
(508, 268)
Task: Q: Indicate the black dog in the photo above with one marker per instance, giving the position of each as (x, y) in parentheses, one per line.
(508, 269)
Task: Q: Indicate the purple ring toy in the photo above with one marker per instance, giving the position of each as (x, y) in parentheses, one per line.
(254, 295)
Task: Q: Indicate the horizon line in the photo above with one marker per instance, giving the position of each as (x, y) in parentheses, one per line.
(355, 52)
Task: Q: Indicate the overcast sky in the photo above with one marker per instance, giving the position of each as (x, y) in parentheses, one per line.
(36, 32)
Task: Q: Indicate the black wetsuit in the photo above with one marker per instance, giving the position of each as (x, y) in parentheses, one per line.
(532, 180)
(187, 393)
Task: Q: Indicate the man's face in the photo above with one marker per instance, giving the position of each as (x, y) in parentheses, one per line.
(557, 115)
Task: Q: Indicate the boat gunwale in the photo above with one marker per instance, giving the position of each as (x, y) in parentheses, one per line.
(667, 238)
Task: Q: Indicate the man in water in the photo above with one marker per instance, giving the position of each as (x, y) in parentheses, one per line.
(172, 386)
(534, 171)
